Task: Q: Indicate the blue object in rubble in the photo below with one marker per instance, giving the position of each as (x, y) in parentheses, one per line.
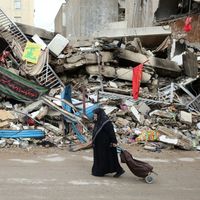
(28, 133)
(80, 137)
(89, 111)
(66, 94)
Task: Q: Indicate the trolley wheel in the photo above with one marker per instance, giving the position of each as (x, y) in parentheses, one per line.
(149, 179)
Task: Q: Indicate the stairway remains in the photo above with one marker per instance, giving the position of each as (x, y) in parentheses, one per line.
(17, 42)
(194, 105)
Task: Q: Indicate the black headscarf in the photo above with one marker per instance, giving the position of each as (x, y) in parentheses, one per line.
(102, 118)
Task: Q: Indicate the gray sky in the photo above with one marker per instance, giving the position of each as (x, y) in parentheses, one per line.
(45, 12)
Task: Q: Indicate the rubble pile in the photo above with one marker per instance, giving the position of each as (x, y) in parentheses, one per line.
(150, 93)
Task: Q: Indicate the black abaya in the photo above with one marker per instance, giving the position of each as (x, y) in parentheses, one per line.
(105, 156)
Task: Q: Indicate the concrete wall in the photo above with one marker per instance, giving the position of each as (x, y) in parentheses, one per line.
(59, 27)
(24, 15)
(80, 18)
(140, 13)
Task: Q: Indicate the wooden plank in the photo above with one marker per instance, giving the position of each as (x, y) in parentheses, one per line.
(79, 147)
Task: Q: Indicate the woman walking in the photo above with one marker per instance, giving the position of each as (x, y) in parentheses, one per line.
(104, 146)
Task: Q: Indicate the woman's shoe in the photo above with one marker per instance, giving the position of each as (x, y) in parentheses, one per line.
(118, 174)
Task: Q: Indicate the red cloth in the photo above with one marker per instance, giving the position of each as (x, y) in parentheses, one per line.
(30, 122)
(136, 78)
(188, 26)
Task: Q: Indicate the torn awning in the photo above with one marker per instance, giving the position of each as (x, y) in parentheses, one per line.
(18, 87)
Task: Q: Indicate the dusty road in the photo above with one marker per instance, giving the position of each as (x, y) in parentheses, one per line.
(62, 175)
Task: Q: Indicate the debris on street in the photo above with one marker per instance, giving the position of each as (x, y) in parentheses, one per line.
(146, 78)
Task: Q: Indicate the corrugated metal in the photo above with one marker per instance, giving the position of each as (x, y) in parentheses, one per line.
(29, 133)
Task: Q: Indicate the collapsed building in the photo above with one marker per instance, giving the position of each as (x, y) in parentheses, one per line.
(147, 71)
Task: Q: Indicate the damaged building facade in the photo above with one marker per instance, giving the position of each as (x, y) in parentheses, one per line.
(81, 18)
(144, 73)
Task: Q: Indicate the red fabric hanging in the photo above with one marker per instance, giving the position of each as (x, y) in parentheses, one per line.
(188, 27)
(136, 78)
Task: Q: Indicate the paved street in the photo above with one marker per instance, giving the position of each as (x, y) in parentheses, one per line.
(61, 175)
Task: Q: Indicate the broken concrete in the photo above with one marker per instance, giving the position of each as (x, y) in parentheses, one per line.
(150, 61)
(133, 32)
(185, 117)
(7, 115)
(100, 71)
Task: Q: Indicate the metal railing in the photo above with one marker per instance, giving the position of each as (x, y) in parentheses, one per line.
(17, 42)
